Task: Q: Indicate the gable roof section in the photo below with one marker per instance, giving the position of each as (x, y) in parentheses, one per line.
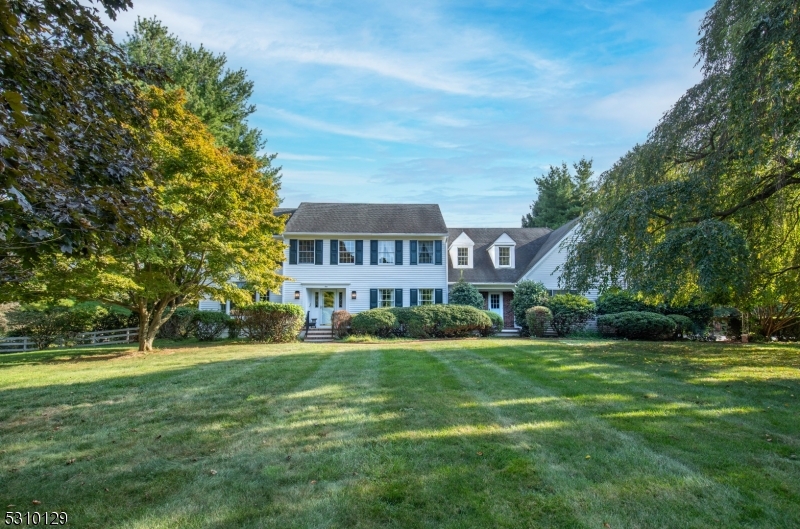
(325, 217)
(528, 243)
(553, 239)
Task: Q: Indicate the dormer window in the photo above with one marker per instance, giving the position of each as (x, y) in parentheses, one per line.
(463, 256)
(502, 252)
(505, 256)
(461, 251)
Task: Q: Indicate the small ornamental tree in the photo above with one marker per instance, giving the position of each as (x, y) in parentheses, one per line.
(570, 312)
(527, 294)
(464, 293)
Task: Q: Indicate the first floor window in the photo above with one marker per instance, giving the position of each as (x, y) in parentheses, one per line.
(305, 252)
(425, 252)
(494, 301)
(426, 296)
(385, 252)
(386, 297)
(505, 256)
(347, 252)
(463, 257)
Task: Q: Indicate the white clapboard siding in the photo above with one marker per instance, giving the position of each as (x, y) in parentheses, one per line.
(547, 270)
(362, 278)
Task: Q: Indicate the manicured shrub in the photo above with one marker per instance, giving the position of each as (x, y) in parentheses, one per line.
(701, 314)
(340, 323)
(180, 324)
(570, 312)
(209, 325)
(497, 323)
(447, 321)
(616, 300)
(527, 294)
(463, 293)
(684, 326)
(538, 319)
(636, 325)
(381, 323)
(270, 322)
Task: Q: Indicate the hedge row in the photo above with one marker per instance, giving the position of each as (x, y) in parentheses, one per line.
(427, 321)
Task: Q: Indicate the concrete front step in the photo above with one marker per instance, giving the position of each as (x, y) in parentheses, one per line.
(319, 335)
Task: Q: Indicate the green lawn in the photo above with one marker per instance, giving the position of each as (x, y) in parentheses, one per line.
(467, 433)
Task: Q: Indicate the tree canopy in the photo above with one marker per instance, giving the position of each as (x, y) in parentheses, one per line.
(709, 205)
(216, 95)
(71, 129)
(215, 222)
(562, 196)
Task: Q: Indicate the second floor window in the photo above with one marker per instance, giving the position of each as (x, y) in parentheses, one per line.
(505, 256)
(347, 252)
(463, 257)
(385, 252)
(305, 252)
(425, 252)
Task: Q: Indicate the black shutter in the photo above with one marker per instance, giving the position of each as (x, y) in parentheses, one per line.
(373, 298)
(398, 297)
(398, 252)
(437, 251)
(292, 251)
(373, 252)
(412, 249)
(413, 297)
(438, 299)
(318, 251)
(359, 252)
(334, 252)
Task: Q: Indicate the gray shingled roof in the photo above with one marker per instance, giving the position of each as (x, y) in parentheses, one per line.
(553, 239)
(529, 242)
(317, 217)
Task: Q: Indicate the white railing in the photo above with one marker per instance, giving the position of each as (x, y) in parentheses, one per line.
(116, 336)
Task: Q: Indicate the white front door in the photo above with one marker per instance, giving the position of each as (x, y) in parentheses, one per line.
(496, 304)
(328, 306)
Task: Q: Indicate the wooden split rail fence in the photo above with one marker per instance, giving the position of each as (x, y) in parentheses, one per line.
(116, 336)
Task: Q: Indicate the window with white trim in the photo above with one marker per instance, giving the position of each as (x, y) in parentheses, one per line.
(494, 301)
(425, 252)
(305, 252)
(504, 253)
(386, 297)
(426, 296)
(463, 256)
(385, 252)
(347, 252)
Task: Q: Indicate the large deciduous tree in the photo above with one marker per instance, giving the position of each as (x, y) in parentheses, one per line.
(215, 221)
(562, 196)
(709, 205)
(71, 121)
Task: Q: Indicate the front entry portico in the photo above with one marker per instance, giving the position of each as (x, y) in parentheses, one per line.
(322, 302)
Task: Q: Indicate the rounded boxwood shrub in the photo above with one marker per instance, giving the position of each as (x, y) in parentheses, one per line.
(497, 323)
(270, 322)
(375, 322)
(570, 312)
(463, 293)
(446, 321)
(527, 294)
(616, 300)
(209, 325)
(636, 325)
(683, 324)
(538, 319)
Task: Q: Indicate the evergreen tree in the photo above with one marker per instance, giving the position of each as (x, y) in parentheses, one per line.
(562, 196)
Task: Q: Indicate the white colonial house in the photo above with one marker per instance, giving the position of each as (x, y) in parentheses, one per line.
(355, 257)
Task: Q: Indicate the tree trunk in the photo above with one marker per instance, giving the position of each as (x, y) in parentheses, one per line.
(143, 321)
(149, 324)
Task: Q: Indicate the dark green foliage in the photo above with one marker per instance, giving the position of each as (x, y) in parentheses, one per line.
(497, 323)
(617, 300)
(447, 321)
(561, 196)
(637, 326)
(538, 318)
(527, 294)
(180, 324)
(463, 293)
(375, 322)
(209, 325)
(570, 312)
(683, 325)
(270, 322)
(340, 323)
(71, 167)
(701, 314)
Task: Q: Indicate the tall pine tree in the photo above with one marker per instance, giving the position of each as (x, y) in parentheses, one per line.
(562, 195)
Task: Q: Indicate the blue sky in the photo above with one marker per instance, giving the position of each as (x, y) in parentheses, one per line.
(457, 103)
